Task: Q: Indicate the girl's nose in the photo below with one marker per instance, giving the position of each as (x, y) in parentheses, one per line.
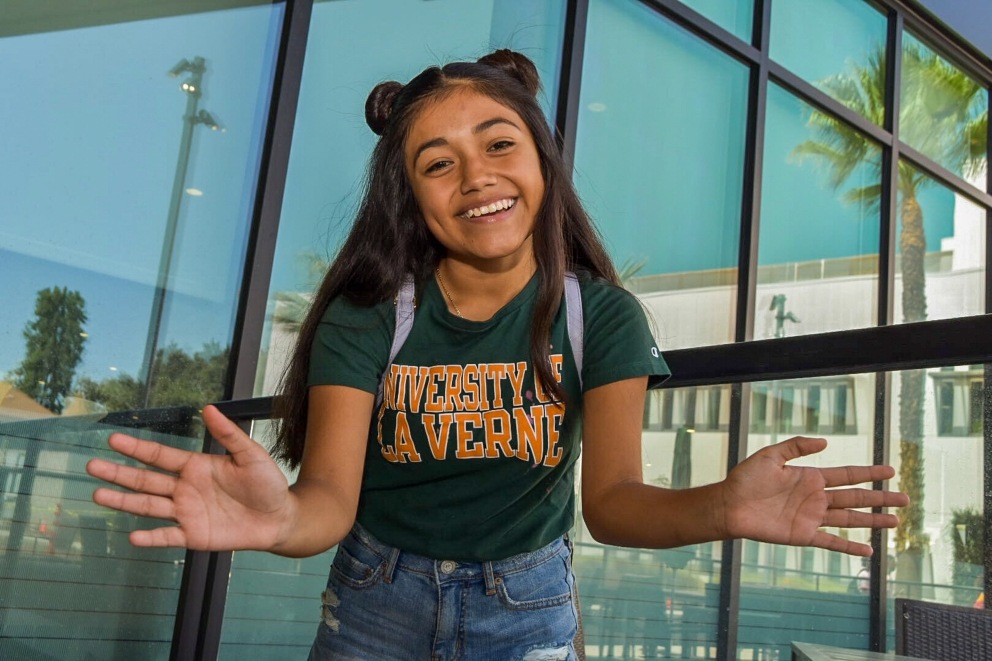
(476, 174)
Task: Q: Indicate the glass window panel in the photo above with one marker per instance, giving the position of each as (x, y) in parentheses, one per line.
(943, 112)
(122, 241)
(818, 245)
(792, 593)
(74, 587)
(735, 16)
(850, 65)
(663, 180)
(938, 547)
(332, 143)
(660, 603)
(940, 272)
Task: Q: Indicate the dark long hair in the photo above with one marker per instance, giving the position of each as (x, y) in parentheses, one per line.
(384, 245)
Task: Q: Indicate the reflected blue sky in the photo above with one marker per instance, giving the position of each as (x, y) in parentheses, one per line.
(89, 167)
(91, 137)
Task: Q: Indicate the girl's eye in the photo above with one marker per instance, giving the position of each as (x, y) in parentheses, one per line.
(500, 145)
(437, 166)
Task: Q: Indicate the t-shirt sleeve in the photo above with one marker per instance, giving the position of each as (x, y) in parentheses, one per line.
(618, 343)
(351, 346)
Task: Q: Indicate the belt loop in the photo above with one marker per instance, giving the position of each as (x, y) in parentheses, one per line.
(487, 573)
(390, 568)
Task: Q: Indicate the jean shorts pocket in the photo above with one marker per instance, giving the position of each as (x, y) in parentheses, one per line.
(354, 572)
(546, 585)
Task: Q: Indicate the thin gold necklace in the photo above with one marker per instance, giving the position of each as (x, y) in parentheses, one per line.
(440, 281)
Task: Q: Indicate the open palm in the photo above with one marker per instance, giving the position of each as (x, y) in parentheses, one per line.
(768, 500)
(220, 502)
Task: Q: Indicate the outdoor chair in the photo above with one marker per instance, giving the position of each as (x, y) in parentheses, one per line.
(942, 632)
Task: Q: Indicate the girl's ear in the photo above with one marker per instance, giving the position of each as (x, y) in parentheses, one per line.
(379, 105)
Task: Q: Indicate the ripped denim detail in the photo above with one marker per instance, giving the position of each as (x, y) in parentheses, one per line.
(547, 654)
(329, 603)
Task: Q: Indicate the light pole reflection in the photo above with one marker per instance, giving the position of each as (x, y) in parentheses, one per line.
(193, 87)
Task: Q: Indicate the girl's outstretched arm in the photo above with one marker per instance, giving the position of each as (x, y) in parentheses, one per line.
(242, 500)
(763, 498)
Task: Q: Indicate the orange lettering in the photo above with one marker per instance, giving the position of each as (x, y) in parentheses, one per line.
(453, 389)
(418, 383)
(438, 436)
(496, 372)
(516, 374)
(470, 388)
(554, 417)
(530, 433)
(464, 425)
(433, 403)
(405, 449)
(498, 434)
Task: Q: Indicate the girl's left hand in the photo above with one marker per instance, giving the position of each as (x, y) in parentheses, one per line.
(766, 499)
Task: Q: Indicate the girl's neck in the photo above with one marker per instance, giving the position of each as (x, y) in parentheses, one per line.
(477, 294)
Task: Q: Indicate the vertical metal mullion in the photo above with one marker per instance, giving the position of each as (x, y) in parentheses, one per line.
(570, 79)
(203, 593)
(888, 227)
(987, 475)
(747, 269)
(987, 386)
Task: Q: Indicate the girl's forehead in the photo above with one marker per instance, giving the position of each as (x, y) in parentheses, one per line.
(462, 105)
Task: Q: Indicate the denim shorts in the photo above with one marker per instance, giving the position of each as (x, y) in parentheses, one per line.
(384, 604)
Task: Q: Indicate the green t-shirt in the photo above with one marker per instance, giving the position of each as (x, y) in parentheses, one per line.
(467, 459)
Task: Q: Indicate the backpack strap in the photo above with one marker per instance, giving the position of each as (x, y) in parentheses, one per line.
(573, 315)
(405, 306)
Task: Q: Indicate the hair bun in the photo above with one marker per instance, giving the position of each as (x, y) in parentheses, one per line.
(379, 105)
(517, 65)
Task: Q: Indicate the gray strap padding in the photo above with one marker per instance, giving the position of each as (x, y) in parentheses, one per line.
(573, 312)
(405, 305)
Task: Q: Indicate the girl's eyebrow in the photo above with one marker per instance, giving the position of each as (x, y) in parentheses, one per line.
(479, 128)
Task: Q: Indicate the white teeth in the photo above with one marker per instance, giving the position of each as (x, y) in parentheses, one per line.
(498, 205)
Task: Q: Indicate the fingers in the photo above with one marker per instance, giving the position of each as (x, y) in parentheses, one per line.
(825, 540)
(840, 476)
(168, 536)
(855, 519)
(149, 452)
(864, 498)
(157, 507)
(135, 479)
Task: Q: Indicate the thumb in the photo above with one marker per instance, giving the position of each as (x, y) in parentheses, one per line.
(227, 433)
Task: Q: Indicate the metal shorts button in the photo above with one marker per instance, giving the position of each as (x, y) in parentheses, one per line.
(448, 566)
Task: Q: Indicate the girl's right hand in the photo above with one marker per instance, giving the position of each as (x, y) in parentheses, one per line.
(236, 501)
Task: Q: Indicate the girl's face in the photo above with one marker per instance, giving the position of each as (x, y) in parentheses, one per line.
(476, 174)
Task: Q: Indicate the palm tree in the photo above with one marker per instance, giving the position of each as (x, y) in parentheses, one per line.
(944, 115)
(292, 306)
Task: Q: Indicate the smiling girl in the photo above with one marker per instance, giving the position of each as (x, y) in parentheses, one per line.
(445, 475)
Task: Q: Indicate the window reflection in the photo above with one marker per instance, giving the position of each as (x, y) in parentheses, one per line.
(940, 251)
(806, 594)
(850, 66)
(818, 245)
(943, 112)
(735, 17)
(938, 451)
(666, 196)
